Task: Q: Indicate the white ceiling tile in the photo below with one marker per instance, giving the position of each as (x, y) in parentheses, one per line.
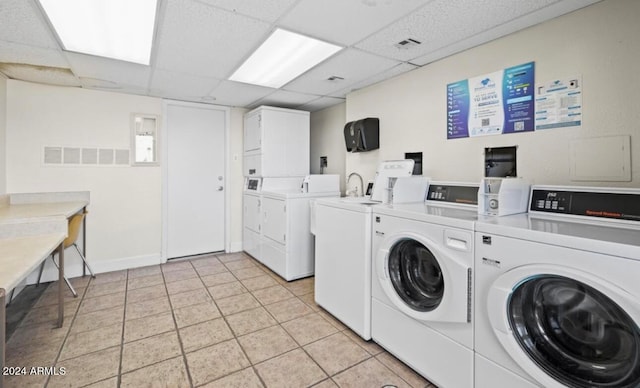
(284, 99)
(19, 53)
(444, 22)
(394, 71)
(350, 64)
(503, 29)
(321, 103)
(346, 22)
(175, 85)
(268, 11)
(119, 72)
(22, 22)
(238, 94)
(199, 39)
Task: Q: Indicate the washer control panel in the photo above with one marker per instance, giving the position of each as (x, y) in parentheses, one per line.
(615, 204)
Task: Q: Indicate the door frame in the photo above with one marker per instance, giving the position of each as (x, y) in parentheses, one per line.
(164, 170)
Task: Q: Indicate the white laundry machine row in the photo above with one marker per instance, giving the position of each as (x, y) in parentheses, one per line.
(557, 299)
(276, 221)
(422, 305)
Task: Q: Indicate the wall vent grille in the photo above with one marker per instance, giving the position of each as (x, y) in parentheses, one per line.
(81, 156)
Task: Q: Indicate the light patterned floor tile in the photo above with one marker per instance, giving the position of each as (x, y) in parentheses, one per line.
(273, 294)
(245, 378)
(148, 326)
(91, 341)
(226, 290)
(288, 309)
(150, 350)
(370, 373)
(336, 353)
(250, 320)
(87, 369)
(237, 303)
(266, 343)
(216, 361)
(190, 298)
(205, 334)
(190, 315)
(309, 328)
(293, 369)
(169, 373)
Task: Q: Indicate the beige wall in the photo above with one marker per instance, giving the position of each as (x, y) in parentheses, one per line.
(3, 141)
(236, 178)
(327, 139)
(124, 222)
(599, 43)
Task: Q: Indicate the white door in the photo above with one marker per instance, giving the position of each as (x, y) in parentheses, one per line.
(195, 166)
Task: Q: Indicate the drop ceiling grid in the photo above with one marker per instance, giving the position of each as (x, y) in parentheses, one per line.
(99, 68)
(346, 22)
(33, 55)
(351, 64)
(238, 94)
(198, 39)
(21, 22)
(285, 99)
(444, 22)
(268, 11)
(394, 71)
(171, 84)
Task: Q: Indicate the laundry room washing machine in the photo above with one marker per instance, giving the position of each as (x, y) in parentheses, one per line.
(422, 280)
(558, 293)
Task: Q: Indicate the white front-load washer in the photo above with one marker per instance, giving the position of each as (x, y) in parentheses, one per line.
(557, 293)
(421, 283)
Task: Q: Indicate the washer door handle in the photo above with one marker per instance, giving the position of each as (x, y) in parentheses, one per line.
(382, 264)
(497, 309)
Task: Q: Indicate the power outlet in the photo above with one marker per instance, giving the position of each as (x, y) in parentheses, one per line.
(323, 161)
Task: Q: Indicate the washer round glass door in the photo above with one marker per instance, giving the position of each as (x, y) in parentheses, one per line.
(415, 275)
(575, 333)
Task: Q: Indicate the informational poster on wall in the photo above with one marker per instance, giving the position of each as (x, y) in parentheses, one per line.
(492, 104)
(559, 103)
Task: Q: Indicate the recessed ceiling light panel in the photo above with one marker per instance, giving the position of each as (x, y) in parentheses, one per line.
(118, 29)
(282, 57)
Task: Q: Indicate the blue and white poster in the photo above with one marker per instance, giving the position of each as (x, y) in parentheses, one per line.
(559, 103)
(492, 104)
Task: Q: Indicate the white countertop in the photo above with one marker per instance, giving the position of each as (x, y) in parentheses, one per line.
(19, 256)
(31, 210)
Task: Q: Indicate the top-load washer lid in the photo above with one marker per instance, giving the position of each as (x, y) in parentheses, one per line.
(389, 169)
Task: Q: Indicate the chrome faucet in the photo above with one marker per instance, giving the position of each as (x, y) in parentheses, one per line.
(355, 191)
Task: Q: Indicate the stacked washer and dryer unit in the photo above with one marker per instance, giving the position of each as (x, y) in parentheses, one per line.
(278, 190)
(558, 293)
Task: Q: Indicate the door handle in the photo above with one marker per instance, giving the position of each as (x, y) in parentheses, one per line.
(220, 188)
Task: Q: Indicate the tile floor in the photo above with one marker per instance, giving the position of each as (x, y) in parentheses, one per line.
(212, 321)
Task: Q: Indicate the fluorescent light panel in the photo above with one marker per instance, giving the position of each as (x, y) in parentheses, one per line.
(281, 58)
(118, 29)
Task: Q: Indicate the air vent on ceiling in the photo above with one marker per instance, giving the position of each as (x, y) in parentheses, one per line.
(407, 44)
(335, 78)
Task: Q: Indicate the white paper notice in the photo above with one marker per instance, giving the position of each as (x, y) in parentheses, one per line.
(559, 103)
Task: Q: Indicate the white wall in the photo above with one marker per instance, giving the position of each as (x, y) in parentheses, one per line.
(3, 141)
(236, 180)
(327, 139)
(599, 43)
(124, 221)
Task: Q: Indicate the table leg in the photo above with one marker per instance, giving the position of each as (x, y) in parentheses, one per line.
(3, 340)
(61, 284)
(84, 241)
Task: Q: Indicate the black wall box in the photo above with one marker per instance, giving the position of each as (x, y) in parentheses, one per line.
(362, 135)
